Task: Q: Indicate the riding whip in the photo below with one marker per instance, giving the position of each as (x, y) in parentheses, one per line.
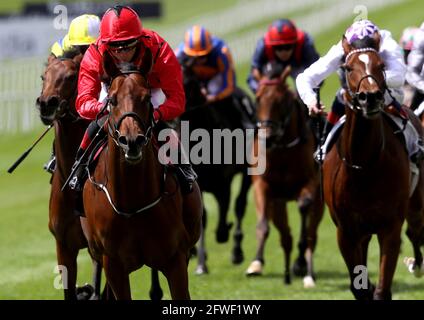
(26, 153)
(319, 133)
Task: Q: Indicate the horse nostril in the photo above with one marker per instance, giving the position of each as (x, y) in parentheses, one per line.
(122, 140)
(362, 96)
(53, 101)
(140, 140)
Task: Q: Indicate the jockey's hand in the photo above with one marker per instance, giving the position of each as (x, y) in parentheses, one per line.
(315, 111)
(210, 98)
(204, 91)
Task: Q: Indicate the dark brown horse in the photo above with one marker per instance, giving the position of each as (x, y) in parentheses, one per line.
(290, 174)
(217, 178)
(136, 214)
(57, 105)
(367, 179)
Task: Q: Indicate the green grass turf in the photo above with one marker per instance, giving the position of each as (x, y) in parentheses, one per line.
(27, 248)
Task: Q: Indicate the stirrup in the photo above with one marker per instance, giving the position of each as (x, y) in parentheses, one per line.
(50, 166)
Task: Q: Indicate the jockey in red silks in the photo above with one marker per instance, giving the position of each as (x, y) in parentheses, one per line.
(122, 35)
(285, 45)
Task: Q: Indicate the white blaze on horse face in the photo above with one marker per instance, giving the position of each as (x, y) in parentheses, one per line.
(366, 60)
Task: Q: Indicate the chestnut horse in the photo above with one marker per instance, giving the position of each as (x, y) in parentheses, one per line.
(367, 178)
(136, 214)
(216, 178)
(57, 105)
(290, 174)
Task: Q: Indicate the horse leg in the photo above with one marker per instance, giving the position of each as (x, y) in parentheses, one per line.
(304, 204)
(201, 253)
(351, 250)
(313, 220)
(415, 233)
(177, 276)
(155, 292)
(223, 198)
(117, 277)
(67, 258)
(241, 201)
(262, 202)
(280, 220)
(97, 278)
(389, 241)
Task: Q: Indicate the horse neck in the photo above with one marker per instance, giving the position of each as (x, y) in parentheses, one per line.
(293, 126)
(133, 186)
(68, 135)
(362, 139)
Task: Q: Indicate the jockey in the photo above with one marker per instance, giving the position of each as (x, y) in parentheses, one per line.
(122, 35)
(284, 44)
(415, 71)
(406, 41)
(83, 31)
(359, 33)
(210, 60)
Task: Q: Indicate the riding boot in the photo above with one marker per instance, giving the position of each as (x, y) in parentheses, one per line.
(327, 129)
(186, 176)
(80, 175)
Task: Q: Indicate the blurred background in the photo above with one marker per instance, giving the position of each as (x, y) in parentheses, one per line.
(27, 249)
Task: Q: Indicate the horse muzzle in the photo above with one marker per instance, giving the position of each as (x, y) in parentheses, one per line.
(371, 103)
(50, 108)
(132, 147)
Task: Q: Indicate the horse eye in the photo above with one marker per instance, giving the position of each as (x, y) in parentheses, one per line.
(113, 101)
(42, 78)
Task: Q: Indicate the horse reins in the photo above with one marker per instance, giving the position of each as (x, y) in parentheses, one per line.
(356, 106)
(278, 127)
(113, 128)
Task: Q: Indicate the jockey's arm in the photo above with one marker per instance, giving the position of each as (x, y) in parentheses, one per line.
(226, 68)
(168, 69)
(392, 55)
(415, 69)
(89, 85)
(317, 72)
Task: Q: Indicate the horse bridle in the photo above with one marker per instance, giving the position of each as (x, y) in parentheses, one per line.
(278, 128)
(113, 127)
(356, 106)
(356, 95)
(63, 107)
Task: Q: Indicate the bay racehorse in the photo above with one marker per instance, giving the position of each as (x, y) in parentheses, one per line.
(367, 178)
(136, 214)
(56, 104)
(290, 174)
(216, 178)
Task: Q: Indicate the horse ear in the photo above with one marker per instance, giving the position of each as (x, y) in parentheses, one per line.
(346, 46)
(51, 58)
(77, 59)
(377, 38)
(285, 74)
(146, 62)
(109, 65)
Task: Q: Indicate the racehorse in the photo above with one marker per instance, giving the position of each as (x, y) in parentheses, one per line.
(367, 178)
(216, 178)
(57, 105)
(136, 213)
(290, 174)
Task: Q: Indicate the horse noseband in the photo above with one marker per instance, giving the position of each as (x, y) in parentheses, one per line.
(143, 139)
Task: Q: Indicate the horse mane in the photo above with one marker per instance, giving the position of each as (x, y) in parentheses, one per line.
(70, 53)
(127, 67)
(272, 70)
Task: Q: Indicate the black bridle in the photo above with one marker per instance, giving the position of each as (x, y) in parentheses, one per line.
(356, 105)
(63, 109)
(278, 127)
(357, 96)
(113, 127)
